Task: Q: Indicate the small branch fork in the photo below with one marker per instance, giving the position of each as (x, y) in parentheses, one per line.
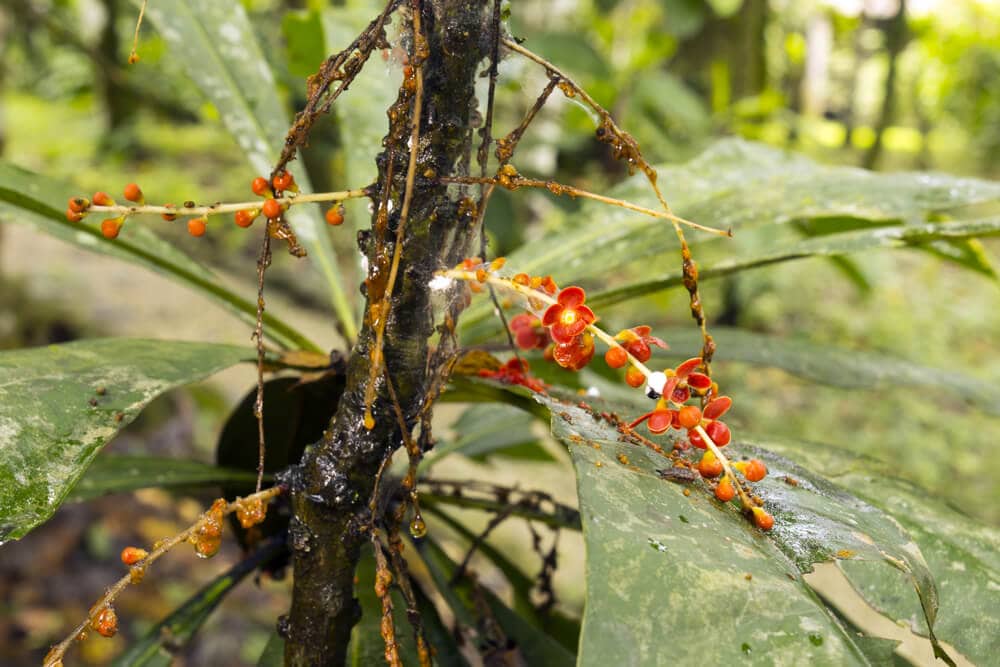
(138, 571)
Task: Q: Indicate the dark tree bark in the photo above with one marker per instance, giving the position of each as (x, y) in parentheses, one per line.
(332, 486)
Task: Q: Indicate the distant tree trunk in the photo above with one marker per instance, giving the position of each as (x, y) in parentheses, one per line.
(896, 38)
(119, 104)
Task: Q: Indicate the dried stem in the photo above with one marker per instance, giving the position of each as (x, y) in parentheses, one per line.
(513, 182)
(133, 56)
(263, 261)
(137, 571)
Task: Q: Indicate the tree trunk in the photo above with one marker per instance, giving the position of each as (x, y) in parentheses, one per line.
(896, 37)
(332, 486)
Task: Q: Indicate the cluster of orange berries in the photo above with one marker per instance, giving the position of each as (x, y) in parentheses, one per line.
(272, 208)
(563, 331)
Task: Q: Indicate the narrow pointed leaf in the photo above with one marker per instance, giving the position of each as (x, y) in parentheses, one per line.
(119, 473)
(61, 403)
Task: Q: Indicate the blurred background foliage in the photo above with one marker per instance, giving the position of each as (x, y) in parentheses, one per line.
(884, 84)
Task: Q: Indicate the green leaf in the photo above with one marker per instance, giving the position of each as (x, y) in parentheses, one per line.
(27, 198)
(273, 654)
(833, 245)
(215, 44)
(119, 473)
(303, 33)
(491, 429)
(533, 646)
(963, 555)
(159, 646)
(646, 541)
(54, 418)
(831, 365)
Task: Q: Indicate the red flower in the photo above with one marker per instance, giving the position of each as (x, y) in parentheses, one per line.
(529, 334)
(637, 341)
(568, 318)
(683, 379)
(716, 430)
(576, 353)
(514, 371)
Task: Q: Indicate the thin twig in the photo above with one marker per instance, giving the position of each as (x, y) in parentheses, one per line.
(263, 261)
(133, 56)
(215, 209)
(137, 571)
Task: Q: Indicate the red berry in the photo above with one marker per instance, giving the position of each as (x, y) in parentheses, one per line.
(102, 199)
(73, 216)
(335, 215)
(79, 204)
(245, 218)
(110, 227)
(719, 433)
(272, 209)
(260, 187)
(616, 357)
(755, 470)
(106, 622)
(197, 226)
(132, 555)
(169, 217)
(724, 491)
(762, 519)
(283, 181)
(709, 466)
(689, 416)
(634, 377)
(133, 193)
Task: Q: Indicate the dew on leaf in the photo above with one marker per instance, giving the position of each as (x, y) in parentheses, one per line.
(817, 640)
(657, 545)
(745, 648)
(683, 518)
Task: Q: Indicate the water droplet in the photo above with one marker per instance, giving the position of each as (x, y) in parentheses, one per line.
(658, 545)
(817, 640)
(418, 528)
(745, 648)
(683, 518)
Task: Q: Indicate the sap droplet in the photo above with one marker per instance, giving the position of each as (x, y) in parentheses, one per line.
(745, 648)
(817, 640)
(418, 528)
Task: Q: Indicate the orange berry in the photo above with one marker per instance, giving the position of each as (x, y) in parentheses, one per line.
(634, 377)
(762, 519)
(689, 416)
(132, 555)
(522, 279)
(197, 226)
(616, 357)
(246, 217)
(283, 181)
(169, 217)
(260, 186)
(106, 622)
(709, 466)
(73, 216)
(133, 193)
(755, 470)
(111, 226)
(724, 490)
(335, 215)
(272, 209)
(102, 199)
(79, 204)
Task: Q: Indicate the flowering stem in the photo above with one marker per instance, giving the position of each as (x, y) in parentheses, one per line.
(214, 209)
(137, 571)
(606, 338)
(744, 498)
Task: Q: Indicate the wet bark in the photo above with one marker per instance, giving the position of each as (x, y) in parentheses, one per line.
(332, 486)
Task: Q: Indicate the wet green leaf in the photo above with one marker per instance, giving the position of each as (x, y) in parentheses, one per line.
(27, 198)
(215, 44)
(831, 365)
(638, 528)
(119, 473)
(963, 555)
(159, 646)
(61, 403)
